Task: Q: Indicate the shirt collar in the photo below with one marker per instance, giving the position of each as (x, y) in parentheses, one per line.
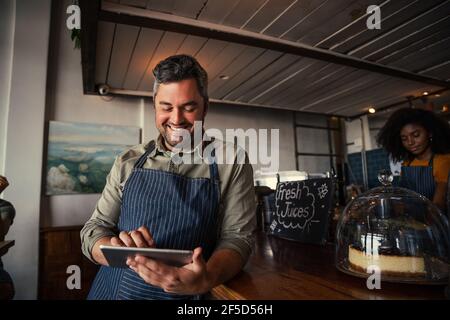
(160, 149)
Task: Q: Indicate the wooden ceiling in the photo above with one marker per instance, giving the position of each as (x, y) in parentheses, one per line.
(413, 44)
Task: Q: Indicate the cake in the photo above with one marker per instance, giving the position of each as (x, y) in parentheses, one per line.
(390, 262)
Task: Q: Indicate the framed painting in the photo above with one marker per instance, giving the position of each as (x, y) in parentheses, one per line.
(80, 155)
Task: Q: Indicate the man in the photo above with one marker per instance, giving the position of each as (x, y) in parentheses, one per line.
(7, 213)
(150, 200)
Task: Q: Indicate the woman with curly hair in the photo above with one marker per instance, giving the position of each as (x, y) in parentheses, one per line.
(421, 140)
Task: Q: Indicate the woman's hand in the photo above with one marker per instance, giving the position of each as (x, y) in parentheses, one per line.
(190, 279)
(140, 238)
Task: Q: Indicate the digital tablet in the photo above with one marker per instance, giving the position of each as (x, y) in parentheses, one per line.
(117, 256)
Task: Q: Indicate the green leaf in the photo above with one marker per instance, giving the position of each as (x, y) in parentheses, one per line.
(76, 38)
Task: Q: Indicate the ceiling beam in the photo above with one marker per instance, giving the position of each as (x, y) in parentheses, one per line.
(117, 13)
(396, 104)
(88, 34)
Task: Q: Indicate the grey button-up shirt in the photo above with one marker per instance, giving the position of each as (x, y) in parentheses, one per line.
(237, 210)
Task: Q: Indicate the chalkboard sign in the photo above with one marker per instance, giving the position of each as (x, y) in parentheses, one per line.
(302, 210)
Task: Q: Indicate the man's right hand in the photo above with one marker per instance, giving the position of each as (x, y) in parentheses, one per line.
(140, 238)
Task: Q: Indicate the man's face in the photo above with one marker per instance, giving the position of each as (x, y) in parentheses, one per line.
(177, 106)
(415, 138)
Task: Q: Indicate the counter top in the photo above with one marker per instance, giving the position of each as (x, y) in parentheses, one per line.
(283, 269)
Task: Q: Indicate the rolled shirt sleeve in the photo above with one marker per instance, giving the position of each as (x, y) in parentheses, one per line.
(103, 222)
(238, 208)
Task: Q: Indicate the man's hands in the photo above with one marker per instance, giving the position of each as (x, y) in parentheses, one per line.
(191, 279)
(140, 238)
(194, 278)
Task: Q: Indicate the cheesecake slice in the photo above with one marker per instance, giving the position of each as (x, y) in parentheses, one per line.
(390, 264)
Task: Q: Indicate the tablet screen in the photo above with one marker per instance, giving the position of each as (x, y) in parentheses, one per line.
(117, 256)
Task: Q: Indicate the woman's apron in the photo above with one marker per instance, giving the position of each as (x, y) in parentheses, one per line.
(419, 179)
(180, 212)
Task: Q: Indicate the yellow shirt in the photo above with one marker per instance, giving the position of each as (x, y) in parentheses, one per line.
(441, 166)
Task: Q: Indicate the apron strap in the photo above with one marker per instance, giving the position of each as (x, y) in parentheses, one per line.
(430, 162)
(143, 158)
(213, 170)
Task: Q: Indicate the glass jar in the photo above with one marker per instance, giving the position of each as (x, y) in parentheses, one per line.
(396, 232)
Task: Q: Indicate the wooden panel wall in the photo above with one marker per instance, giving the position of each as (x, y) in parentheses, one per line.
(60, 248)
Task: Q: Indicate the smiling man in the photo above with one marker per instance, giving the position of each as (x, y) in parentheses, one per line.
(177, 112)
(150, 200)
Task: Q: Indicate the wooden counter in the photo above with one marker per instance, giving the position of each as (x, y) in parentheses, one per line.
(282, 269)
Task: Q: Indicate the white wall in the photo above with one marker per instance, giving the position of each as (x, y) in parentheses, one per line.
(223, 117)
(7, 17)
(354, 134)
(24, 141)
(66, 102)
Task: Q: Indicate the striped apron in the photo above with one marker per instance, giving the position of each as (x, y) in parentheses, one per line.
(180, 212)
(419, 179)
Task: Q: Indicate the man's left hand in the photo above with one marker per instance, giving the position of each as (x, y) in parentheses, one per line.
(190, 279)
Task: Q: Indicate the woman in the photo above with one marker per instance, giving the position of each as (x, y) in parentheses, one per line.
(421, 140)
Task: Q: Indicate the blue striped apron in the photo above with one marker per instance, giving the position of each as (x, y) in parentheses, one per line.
(419, 179)
(180, 212)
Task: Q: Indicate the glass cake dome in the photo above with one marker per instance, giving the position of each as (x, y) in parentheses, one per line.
(395, 231)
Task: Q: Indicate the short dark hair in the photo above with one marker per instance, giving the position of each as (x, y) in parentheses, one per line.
(181, 67)
(389, 136)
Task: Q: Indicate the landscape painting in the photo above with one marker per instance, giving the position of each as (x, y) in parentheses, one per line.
(80, 155)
